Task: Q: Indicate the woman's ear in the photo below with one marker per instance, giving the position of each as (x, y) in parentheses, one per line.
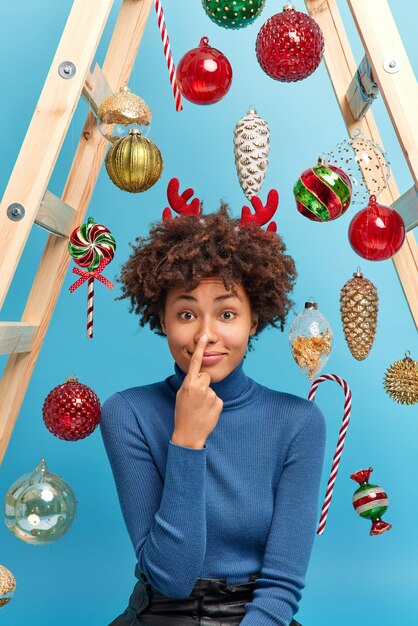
(162, 322)
(254, 324)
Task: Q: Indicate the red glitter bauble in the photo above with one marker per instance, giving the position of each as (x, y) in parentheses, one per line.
(289, 45)
(377, 232)
(71, 411)
(204, 74)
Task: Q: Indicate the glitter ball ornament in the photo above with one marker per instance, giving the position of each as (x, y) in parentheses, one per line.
(134, 163)
(233, 13)
(122, 112)
(71, 411)
(370, 501)
(310, 338)
(376, 232)
(7, 585)
(90, 243)
(204, 74)
(251, 149)
(290, 45)
(322, 192)
(401, 380)
(359, 308)
(40, 506)
(360, 158)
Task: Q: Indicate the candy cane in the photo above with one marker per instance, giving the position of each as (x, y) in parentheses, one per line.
(340, 443)
(167, 54)
(90, 307)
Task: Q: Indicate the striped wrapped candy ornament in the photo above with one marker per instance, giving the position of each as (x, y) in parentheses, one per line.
(370, 501)
(323, 192)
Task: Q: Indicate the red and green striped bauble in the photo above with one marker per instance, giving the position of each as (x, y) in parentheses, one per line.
(323, 192)
(370, 501)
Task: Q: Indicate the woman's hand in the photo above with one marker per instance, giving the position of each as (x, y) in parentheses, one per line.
(197, 407)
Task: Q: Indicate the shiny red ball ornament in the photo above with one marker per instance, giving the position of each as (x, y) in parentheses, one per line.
(377, 232)
(290, 45)
(204, 74)
(71, 411)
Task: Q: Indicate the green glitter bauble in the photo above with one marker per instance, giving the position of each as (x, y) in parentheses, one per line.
(233, 13)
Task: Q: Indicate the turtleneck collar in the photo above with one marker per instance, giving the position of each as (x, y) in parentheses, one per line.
(234, 390)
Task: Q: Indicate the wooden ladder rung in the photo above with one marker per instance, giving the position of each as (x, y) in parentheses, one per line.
(96, 89)
(16, 337)
(55, 215)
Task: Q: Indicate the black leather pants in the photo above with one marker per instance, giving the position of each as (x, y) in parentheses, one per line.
(211, 603)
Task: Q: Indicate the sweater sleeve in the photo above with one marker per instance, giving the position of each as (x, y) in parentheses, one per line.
(166, 520)
(289, 544)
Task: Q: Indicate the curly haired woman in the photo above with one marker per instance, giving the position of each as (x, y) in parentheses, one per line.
(217, 475)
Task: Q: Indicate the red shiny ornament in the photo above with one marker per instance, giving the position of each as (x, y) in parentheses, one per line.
(204, 74)
(289, 45)
(71, 411)
(377, 232)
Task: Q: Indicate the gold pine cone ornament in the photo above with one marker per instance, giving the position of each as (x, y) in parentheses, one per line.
(401, 380)
(7, 585)
(359, 308)
(134, 163)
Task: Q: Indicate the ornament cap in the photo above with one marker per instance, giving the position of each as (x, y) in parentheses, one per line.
(204, 42)
(289, 7)
(311, 305)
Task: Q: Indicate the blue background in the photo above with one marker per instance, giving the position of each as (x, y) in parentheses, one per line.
(87, 576)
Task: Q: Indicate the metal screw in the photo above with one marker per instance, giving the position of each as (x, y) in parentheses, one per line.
(16, 211)
(67, 69)
(392, 64)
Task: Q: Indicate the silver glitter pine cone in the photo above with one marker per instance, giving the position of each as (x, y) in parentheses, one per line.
(251, 149)
(359, 308)
(401, 380)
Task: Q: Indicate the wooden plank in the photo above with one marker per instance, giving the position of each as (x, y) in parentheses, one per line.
(78, 190)
(407, 206)
(341, 68)
(47, 130)
(96, 89)
(16, 337)
(55, 216)
(382, 41)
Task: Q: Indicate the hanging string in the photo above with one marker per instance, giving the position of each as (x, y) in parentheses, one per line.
(167, 54)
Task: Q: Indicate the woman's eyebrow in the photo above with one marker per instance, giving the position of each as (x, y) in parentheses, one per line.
(184, 296)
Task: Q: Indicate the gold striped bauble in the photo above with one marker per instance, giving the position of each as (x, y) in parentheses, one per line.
(7, 585)
(134, 163)
(401, 380)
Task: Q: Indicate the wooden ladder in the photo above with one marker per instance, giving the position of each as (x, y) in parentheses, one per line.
(399, 89)
(27, 200)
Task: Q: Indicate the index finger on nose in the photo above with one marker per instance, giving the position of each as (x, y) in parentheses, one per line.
(196, 360)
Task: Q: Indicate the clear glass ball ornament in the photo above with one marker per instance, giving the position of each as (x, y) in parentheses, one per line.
(310, 339)
(40, 506)
(363, 160)
(122, 112)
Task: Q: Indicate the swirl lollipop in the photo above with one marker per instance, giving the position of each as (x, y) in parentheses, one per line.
(92, 246)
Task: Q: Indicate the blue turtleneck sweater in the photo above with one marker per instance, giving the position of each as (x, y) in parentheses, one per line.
(247, 502)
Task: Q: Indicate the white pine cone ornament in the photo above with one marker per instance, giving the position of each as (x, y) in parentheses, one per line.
(251, 148)
(359, 308)
(401, 380)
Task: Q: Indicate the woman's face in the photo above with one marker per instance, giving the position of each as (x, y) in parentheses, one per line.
(208, 309)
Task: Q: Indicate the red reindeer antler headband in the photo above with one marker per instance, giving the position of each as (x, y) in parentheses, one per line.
(262, 215)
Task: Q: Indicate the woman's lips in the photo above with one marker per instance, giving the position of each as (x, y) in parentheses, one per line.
(210, 359)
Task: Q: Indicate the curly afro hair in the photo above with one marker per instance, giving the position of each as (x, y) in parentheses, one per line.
(180, 252)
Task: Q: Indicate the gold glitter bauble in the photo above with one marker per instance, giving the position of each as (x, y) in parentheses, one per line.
(134, 163)
(401, 380)
(359, 308)
(7, 585)
(123, 107)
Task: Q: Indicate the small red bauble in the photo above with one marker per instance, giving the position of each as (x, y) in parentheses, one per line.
(204, 74)
(289, 45)
(71, 411)
(377, 232)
